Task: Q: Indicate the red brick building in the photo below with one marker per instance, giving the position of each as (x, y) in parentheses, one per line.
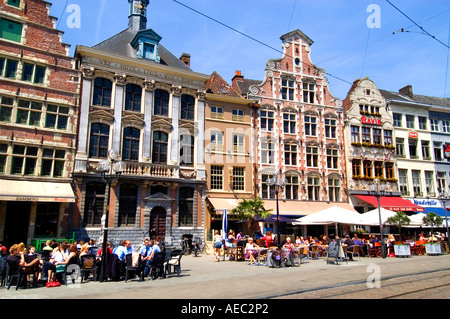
(299, 132)
(38, 123)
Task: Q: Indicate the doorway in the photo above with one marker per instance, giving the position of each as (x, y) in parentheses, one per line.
(16, 223)
(158, 223)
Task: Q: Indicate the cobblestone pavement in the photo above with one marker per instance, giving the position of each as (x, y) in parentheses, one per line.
(202, 278)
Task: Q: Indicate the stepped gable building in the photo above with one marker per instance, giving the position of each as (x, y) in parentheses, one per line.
(299, 131)
(39, 92)
(422, 130)
(141, 101)
(228, 155)
(370, 149)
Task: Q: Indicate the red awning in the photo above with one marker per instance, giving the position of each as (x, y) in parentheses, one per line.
(392, 203)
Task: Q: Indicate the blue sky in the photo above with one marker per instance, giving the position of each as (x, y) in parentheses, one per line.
(344, 45)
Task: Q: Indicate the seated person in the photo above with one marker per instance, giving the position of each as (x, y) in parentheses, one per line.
(121, 251)
(356, 240)
(32, 264)
(269, 239)
(149, 250)
(250, 252)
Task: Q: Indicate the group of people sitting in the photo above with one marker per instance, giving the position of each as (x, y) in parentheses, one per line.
(55, 257)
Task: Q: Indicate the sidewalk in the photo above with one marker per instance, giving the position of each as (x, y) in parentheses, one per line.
(202, 278)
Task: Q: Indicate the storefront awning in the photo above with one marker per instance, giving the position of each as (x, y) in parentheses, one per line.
(26, 191)
(219, 204)
(297, 208)
(394, 203)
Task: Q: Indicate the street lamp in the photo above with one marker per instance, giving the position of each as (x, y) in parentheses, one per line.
(377, 189)
(110, 170)
(278, 183)
(444, 198)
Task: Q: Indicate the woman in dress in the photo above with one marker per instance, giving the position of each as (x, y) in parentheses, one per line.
(251, 251)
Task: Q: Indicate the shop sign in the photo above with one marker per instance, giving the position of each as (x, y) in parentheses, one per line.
(447, 150)
(413, 134)
(365, 120)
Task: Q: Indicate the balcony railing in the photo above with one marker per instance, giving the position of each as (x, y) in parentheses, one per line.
(148, 169)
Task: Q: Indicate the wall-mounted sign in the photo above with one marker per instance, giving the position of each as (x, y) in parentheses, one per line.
(413, 134)
(447, 150)
(365, 120)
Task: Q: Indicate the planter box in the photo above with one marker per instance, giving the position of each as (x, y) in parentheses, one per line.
(433, 249)
(402, 250)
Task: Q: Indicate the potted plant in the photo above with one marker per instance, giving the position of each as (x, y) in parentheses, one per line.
(433, 247)
(399, 220)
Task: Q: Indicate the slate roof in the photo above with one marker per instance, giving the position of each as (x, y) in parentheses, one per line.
(423, 99)
(120, 44)
(244, 85)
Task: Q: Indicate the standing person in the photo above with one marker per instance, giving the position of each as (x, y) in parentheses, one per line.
(217, 245)
(231, 243)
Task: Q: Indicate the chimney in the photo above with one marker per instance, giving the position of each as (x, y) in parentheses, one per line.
(407, 91)
(238, 77)
(186, 59)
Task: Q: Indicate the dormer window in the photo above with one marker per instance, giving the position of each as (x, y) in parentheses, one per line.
(146, 45)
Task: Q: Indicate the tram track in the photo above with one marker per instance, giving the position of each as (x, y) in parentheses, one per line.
(391, 287)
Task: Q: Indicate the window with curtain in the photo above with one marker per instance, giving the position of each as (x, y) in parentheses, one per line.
(94, 203)
(130, 147)
(99, 140)
(186, 206)
(102, 92)
(159, 149)
(128, 204)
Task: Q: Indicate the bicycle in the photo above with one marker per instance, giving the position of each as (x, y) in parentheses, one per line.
(186, 245)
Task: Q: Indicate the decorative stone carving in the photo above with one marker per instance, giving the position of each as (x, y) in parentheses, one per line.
(88, 72)
(120, 78)
(149, 85)
(176, 89)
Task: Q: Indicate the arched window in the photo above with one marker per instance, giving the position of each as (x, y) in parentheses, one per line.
(161, 103)
(128, 204)
(99, 140)
(133, 98)
(187, 107)
(94, 203)
(186, 206)
(159, 149)
(102, 92)
(130, 148)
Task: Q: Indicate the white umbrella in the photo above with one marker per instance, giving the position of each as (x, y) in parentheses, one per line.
(416, 220)
(331, 215)
(372, 217)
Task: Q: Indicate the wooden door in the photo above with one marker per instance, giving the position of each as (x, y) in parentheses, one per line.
(158, 223)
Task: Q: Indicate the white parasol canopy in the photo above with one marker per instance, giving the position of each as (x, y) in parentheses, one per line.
(372, 217)
(331, 215)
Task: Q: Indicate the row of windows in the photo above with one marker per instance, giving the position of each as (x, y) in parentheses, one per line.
(288, 90)
(368, 169)
(133, 99)
(292, 189)
(435, 124)
(26, 160)
(44, 115)
(128, 202)
(417, 148)
(11, 68)
(370, 135)
(435, 183)
(291, 155)
(99, 143)
(237, 114)
(217, 178)
(267, 120)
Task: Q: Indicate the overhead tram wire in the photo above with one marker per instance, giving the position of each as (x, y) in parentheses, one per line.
(251, 38)
(421, 28)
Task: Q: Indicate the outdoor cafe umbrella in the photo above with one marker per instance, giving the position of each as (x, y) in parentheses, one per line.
(372, 217)
(273, 218)
(333, 215)
(224, 225)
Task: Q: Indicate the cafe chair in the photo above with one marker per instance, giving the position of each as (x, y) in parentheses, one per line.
(157, 266)
(375, 251)
(314, 253)
(132, 265)
(13, 271)
(174, 262)
(67, 269)
(88, 266)
(354, 251)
